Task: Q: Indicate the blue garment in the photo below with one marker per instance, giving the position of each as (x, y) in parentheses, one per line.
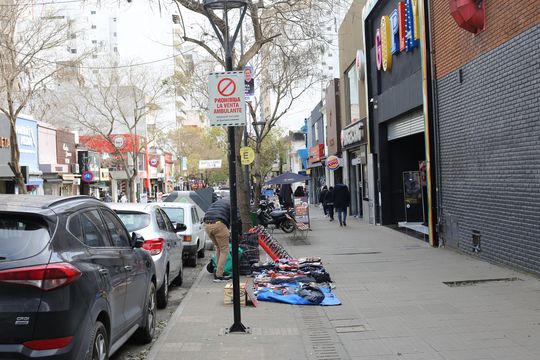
(342, 215)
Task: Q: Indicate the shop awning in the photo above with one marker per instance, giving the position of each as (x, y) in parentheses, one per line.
(35, 182)
(5, 171)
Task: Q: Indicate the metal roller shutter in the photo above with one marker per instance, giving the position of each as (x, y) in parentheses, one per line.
(408, 125)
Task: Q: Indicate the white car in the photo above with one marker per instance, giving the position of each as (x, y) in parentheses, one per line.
(194, 237)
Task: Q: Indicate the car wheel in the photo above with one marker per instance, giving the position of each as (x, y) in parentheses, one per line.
(99, 343)
(200, 253)
(179, 279)
(192, 260)
(146, 333)
(163, 292)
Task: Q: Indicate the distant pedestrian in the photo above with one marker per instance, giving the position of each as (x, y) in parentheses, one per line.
(299, 192)
(329, 200)
(342, 200)
(107, 198)
(217, 221)
(322, 200)
(123, 198)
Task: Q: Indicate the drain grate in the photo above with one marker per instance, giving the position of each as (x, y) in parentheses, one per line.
(477, 282)
(351, 329)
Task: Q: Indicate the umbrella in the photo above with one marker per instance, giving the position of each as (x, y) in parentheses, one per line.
(287, 178)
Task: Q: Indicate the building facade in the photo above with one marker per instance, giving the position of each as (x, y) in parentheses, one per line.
(316, 152)
(487, 87)
(398, 115)
(353, 136)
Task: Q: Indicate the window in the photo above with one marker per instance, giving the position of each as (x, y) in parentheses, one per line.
(94, 41)
(94, 56)
(168, 223)
(93, 26)
(114, 19)
(134, 220)
(194, 216)
(114, 34)
(115, 49)
(160, 221)
(119, 236)
(93, 229)
(73, 51)
(93, 12)
(22, 236)
(175, 214)
(95, 71)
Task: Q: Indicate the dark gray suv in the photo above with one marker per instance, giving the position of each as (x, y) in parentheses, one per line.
(73, 283)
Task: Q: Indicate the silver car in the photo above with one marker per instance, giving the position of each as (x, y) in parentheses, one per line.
(160, 239)
(194, 237)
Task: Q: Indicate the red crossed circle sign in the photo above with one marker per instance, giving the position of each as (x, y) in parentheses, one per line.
(226, 87)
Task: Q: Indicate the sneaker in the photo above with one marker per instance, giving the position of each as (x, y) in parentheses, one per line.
(218, 279)
(344, 223)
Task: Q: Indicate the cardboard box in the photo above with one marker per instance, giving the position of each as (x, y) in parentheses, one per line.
(228, 294)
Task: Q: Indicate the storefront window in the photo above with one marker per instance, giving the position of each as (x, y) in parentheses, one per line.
(353, 108)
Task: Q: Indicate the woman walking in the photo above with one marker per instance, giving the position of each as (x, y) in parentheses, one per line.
(342, 199)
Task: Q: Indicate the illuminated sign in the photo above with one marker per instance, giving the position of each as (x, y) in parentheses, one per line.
(332, 162)
(398, 32)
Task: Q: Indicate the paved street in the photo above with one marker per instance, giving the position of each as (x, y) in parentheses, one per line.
(396, 305)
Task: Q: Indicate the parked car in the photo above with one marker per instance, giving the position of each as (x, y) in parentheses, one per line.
(194, 237)
(161, 240)
(73, 283)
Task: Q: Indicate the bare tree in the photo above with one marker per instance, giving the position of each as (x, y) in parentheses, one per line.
(28, 35)
(120, 101)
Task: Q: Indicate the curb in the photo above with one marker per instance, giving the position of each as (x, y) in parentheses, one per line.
(176, 315)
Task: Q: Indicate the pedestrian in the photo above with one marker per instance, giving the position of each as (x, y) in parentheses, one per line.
(107, 198)
(123, 198)
(299, 192)
(329, 200)
(216, 224)
(322, 200)
(342, 199)
(286, 196)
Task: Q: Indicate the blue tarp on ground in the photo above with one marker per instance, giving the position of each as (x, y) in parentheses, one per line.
(268, 294)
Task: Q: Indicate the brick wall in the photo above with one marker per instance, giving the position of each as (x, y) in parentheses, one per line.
(490, 152)
(455, 47)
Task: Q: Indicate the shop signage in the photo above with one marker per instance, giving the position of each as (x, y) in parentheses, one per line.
(398, 32)
(87, 176)
(332, 117)
(353, 134)
(4, 143)
(332, 162)
(316, 153)
(247, 155)
(124, 143)
(65, 147)
(227, 104)
(209, 164)
(154, 161)
(360, 64)
(118, 142)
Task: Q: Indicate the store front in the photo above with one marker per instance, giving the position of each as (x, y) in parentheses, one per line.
(399, 127)
(354, 143)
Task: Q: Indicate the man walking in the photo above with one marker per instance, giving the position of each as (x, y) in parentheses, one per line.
(216, 224)
(342, 199)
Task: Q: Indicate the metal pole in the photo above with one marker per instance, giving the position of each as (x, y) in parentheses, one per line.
(237, 326)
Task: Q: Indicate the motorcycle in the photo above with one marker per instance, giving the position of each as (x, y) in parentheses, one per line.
(283, 219)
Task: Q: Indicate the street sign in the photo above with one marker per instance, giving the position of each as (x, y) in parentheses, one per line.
(209, 164)
(247, 155)
(227, 104)
(87, 176)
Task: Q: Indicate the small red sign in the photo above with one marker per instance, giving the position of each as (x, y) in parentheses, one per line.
(226, 87)
(154, 161)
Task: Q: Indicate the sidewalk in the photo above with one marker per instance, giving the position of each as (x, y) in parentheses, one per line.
(395, 306)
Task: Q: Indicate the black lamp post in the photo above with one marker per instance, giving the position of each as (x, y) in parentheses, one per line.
(228, 44)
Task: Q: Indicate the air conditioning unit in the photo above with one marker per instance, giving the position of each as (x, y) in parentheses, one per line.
(75, 169)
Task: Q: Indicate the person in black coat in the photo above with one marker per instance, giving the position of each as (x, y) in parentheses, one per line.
(342, 200)
(322, 201)
(286, 196)
(329, 201)
(299, 192)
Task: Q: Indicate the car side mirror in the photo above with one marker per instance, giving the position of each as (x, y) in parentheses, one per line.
(137, 240)
(180, 227)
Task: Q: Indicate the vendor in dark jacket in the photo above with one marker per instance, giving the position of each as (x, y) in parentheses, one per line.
(342, 199)
(217, 221)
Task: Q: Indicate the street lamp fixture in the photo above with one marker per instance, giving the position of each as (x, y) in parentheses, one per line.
(228, 44)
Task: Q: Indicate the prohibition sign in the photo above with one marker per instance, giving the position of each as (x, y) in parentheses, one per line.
(226, 87)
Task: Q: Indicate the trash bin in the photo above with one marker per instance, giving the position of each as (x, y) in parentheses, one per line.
(253, 217)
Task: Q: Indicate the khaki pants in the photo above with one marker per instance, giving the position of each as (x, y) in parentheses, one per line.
(219, 234)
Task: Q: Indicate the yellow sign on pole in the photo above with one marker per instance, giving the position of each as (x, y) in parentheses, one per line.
(247, 155)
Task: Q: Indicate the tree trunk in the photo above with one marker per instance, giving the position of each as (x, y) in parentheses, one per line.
(258, 177)
(131, 194)
(15, 158)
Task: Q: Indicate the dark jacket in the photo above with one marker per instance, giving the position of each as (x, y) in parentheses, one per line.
(219, 210)
(329, 198)
(322, 196)
(342, 196)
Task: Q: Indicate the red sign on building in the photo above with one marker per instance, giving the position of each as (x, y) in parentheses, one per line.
(316, 153)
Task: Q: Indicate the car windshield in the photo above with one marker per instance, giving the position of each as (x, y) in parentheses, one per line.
(134, 220)
(176, 215)
(22, 236)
